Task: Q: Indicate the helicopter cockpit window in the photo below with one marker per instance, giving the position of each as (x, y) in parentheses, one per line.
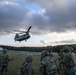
(17, 35)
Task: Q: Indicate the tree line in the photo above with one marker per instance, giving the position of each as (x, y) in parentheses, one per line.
(37, 49)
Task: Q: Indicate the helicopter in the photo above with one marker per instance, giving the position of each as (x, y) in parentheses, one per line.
(22, 35)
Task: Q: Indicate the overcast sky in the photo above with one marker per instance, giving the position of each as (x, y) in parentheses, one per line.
(53, 21)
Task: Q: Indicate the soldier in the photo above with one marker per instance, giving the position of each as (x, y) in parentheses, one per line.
(67, 60)
(48, 65)
(73, 55)
(49, 49)
(26, 68)
(4, 61)
(61, 56)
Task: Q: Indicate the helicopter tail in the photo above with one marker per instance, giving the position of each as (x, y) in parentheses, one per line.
(29, 28)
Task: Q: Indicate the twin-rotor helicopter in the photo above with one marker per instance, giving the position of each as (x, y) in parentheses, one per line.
(22, 35)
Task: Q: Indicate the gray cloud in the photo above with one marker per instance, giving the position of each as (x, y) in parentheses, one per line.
(59, 15)
(65, 41)
(11, 15)
(43, 42)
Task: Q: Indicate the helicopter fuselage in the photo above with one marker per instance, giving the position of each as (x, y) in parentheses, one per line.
(21, 37)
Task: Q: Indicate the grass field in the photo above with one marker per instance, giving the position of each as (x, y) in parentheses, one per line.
(19, 58)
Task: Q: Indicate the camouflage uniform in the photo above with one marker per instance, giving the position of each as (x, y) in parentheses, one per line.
(27, 68)
(49, 49)
(48, 65)
(73, 55)
(0, 60)
(62, 55)
(4, 61)
(67, 60)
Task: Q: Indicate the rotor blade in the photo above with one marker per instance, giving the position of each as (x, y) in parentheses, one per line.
(19, 31)
(29, 28)
(36, 33)
(7, 31)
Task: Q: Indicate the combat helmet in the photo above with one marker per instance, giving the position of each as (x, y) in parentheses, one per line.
(49, 48)
(46, 53)
(29, 58)
(66, 48)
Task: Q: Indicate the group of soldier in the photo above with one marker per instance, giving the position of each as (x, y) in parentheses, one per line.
(67, 62)
(48, 64)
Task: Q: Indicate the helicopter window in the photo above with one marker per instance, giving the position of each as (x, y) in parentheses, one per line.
(17, 35)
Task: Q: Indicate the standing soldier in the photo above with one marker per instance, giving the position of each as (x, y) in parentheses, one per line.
(26, 68)
(61, 56)
(48, 65)
(73, 55)
(62, 53)
(67, 60)
(4, 61)
(49, 49)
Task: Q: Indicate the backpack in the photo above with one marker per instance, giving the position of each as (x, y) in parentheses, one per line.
(22, 69)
